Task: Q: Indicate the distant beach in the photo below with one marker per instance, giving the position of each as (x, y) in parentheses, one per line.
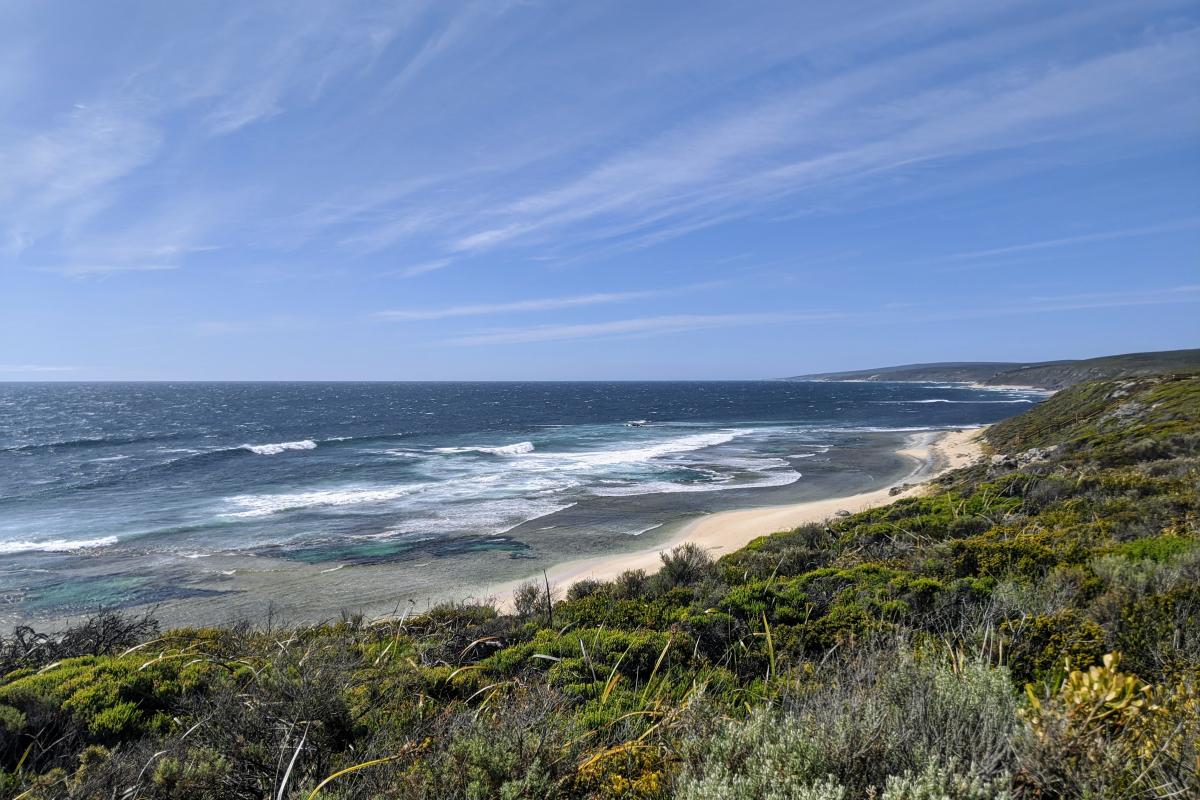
(725, 531)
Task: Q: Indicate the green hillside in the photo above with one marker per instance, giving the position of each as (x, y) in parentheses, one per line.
(1028, 629)
(1046, 374)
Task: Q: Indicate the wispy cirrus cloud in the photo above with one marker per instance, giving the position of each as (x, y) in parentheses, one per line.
(94, 159)
(621, 170)
(34, 368)
(535, 304)
(105, 270)
(1087, 238)
(422, 268)
(888, 314)
(852, 129)
(635, 327)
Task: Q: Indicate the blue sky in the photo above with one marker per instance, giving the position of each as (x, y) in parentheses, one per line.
(568, 190)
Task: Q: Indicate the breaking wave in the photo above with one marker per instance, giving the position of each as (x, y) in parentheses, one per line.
(502, 450)
(683, 444)
(56, 545)
(262, 505)
(279, 447)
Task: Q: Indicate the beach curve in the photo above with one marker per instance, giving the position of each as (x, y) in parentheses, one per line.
(726, 531)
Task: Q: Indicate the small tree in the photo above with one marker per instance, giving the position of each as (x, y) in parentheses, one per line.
(527, 599)
(684, 565)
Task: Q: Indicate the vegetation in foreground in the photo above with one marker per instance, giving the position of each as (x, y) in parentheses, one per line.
(1030, 629)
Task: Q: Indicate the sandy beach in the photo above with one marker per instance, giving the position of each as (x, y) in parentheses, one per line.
(727, 531)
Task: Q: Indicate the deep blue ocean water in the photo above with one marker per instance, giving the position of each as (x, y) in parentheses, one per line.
(346, 472)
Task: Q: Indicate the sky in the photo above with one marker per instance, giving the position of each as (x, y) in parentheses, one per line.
(621, 190)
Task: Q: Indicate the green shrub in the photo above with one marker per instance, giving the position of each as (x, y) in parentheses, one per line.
(1039, 646)
(1161, 549)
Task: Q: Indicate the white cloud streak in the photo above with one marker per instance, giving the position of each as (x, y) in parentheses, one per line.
(641, 326)
(679, 323)
(535, 304)
(34, 368)
(423, 268)
(105, 270)
(1089, 238)
(851, 129)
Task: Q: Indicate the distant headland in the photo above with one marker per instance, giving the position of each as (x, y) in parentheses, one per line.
(1041, 374)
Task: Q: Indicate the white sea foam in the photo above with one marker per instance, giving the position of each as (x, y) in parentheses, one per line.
(279, 447)
(261, 505)
(682, 444)
(668, 487)
(490, 517)
(918, 429)
(109, 458)
(397, 452)
(502, 450)
(56, 545)
(751, 464)
(646, 530)
(944, 400)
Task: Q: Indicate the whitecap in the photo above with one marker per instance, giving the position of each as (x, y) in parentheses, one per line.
(279, 447)
(261, 505)
(682, 444)
(56, 545)
(397, 452)
(502, 450)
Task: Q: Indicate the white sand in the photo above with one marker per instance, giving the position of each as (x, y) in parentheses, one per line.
(727, 531)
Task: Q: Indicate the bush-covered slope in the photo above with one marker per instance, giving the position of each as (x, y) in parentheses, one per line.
(1030, 628)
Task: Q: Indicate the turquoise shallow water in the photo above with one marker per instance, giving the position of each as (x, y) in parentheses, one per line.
(129, 494)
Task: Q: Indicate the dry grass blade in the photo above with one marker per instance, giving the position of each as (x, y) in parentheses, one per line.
(657, 664)
(770, 646)
(476, 643)
(461, 670)
(348, 770)
(373, 762)
(291, 764)
(613, 677)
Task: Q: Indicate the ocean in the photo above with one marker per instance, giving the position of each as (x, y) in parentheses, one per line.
(220, 500)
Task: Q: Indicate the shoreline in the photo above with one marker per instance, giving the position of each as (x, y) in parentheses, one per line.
(725, 531)
(986, 387)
